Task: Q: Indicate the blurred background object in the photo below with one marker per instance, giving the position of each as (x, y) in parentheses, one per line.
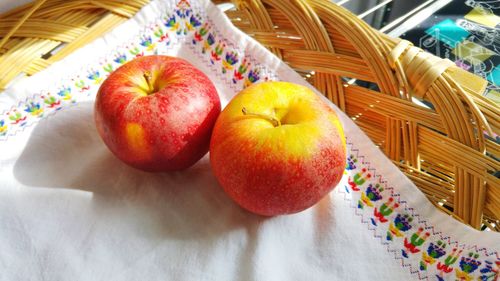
(464, 31)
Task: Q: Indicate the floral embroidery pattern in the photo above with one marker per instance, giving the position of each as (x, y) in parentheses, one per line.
(182, 25)
(3, 128)
(420, 247)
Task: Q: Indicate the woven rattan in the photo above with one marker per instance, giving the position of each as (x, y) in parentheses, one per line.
(30, 33)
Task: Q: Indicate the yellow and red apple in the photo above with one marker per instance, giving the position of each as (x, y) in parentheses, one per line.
(156, 113)
(277, 148)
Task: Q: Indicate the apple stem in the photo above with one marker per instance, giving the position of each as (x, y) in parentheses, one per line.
(148, 77)
(271, 119)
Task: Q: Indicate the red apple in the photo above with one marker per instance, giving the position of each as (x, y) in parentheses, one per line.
(277, 148)
(156, 113)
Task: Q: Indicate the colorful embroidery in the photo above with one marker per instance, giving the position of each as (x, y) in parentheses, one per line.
(358, 180)
(95, 76)
(3, 127)
(230, 60)
(490, 271)
(200, 33)
(217, 52)
(419, 246)
(160, 34)
(120, 58)
(17, 118)
(147, 42)
(253, 76)
(207, 45)
(434, 252)
(446, 267)
(371, 195)
(134, 50)
(417, 239)
(467, 266)
(401, 224)
(182, 22)
(34, 109)
(51, 102)
(238, 73)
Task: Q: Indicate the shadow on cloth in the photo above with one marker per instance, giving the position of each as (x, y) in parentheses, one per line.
(65, 151)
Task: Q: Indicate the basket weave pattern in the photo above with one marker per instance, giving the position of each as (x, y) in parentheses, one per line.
(30, 33)
(442, 148)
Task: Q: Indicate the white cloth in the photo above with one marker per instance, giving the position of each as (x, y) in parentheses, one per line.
(69, 210)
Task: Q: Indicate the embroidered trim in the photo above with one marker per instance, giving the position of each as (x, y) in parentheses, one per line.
(425, 251)
(182, 26)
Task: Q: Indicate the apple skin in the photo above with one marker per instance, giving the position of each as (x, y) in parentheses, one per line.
(278, 170)
(161, 125)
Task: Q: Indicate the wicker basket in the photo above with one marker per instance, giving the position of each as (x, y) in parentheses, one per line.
(443, 149)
